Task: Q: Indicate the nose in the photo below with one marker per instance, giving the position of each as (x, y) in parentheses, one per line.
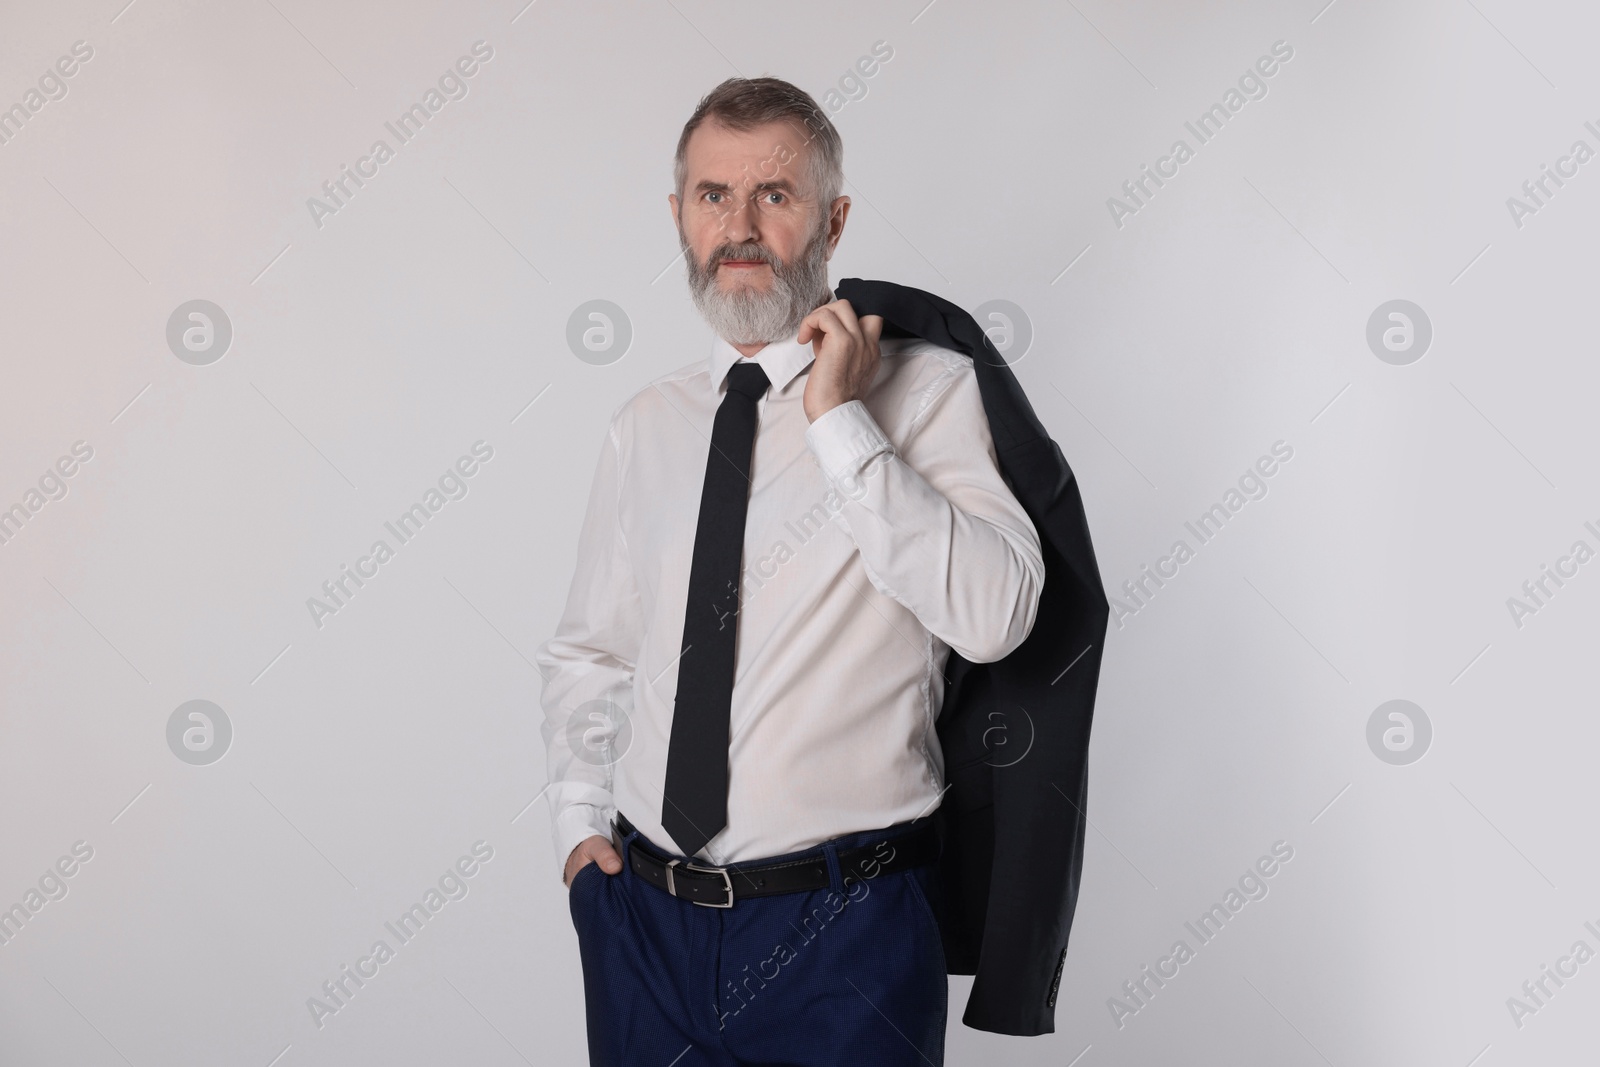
(738, 222)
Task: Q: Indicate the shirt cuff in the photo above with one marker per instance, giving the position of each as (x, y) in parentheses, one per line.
(845, 439)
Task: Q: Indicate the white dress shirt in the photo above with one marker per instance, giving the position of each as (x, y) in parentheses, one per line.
(878, 538)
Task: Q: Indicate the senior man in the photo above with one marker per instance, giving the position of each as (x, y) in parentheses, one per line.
(784, 541)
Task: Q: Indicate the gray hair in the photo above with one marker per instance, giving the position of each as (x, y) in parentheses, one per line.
(745, 103)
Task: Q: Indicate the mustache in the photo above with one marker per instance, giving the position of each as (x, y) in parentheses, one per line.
(747, 250)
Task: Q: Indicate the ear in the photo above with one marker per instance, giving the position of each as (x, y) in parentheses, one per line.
(838, 211)
(672, 200)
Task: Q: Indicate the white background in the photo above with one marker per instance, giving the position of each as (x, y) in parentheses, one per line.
(372, 351)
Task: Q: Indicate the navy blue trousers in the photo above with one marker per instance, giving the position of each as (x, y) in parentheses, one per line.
(816, 979)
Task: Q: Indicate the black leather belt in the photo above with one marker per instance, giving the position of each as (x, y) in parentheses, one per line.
(718, 887)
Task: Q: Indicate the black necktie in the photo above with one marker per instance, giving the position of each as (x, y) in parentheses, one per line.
(696, 794)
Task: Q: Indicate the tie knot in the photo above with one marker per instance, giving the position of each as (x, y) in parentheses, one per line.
(748, 379)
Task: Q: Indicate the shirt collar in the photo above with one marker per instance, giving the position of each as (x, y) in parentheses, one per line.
(782, 360)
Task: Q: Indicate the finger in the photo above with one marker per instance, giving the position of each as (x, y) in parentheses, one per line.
(872, 327)
(811, 326)
(847, 316)
(590, 850)
(608, 859)
(826, 323)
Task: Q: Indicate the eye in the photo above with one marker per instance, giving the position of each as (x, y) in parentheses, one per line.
(777, 198)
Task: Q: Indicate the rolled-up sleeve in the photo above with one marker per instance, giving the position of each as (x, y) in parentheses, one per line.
(588, 666)
(937, 527)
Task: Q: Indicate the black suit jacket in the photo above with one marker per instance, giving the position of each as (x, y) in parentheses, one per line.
(1015, 732)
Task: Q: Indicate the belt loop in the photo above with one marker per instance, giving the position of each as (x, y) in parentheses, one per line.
(835, 878)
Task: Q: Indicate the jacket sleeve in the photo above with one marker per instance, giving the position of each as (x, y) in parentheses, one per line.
(588, 666)
(937, 527)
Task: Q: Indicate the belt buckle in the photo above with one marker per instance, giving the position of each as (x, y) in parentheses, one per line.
(727, 882)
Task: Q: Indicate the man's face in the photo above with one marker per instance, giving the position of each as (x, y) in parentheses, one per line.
(756, 238)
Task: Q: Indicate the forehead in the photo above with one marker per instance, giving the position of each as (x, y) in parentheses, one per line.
(716, 153)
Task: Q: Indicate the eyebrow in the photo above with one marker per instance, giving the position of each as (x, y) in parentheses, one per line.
(780, 184)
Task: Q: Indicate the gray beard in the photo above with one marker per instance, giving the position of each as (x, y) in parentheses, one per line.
(748, 316)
